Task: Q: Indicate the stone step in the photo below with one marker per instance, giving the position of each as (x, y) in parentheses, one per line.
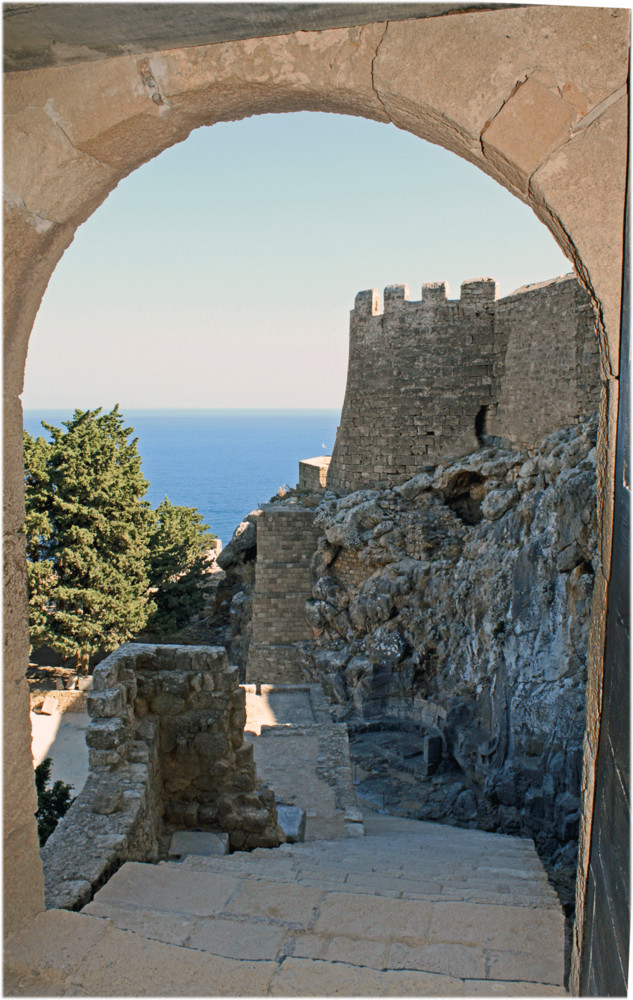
(72, 954)
(260, 916)
(430, 863)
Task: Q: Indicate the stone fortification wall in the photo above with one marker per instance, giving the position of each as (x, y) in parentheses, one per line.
(551, 368)
(429, 381)
(418, 375)
(166, 745)
(286, 541)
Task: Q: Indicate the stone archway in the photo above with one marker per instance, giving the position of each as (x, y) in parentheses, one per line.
(540, 104)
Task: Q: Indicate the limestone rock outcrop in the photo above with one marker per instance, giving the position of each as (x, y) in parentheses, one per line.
(457, 606)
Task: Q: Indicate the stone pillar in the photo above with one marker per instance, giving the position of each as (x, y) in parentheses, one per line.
(286, 542)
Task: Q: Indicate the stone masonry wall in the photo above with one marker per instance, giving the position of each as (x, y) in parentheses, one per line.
(429, 381)
(207, 771)
(550, 374)
(313, 473)
(286, 541)
(166, 743)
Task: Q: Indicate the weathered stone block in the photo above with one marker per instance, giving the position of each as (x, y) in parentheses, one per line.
(141, 707)
(174, 684)
(107, 799)
(182, 813)
(108, 759)
(105, 704)
(199, 701)
(244, 756)
(529, 126)
(211, 744)
(244, 781)
(106, 674)
(207, 814)
(292, 821)
(238, 718)
(253, 820)
(107, 734)
(166, 704)
(197, 842)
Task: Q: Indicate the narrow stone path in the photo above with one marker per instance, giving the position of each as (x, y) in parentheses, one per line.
(304, 757)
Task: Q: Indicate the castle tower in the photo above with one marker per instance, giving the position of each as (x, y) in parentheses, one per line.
(419, 374)
(429, 381)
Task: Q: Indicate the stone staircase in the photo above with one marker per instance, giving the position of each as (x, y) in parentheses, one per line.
(409, 909)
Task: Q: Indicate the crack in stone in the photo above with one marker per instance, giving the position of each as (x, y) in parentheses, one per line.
(54, 117)
(585, 122)
(373, 65)
(489, 122)
(598, 110)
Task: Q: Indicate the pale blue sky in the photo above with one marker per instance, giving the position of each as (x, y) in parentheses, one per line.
(221, 274)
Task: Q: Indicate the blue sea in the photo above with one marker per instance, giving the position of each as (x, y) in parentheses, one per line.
(224, 462)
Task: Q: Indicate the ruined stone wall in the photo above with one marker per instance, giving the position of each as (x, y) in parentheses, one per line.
(166, 745)
(208, 778)
(429, 381)
(117, 815)
(286, 541)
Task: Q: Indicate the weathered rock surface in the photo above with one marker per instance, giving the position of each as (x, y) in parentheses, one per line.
(243, 544)
(458, 603)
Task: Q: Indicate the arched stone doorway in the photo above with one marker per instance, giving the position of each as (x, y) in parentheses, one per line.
(539, 103)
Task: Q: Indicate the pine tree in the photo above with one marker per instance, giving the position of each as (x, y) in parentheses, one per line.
(52, 803)
(177, 548)
(88, 529)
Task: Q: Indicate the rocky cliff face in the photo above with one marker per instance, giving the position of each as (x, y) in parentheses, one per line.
(456, 607)
(451, 619)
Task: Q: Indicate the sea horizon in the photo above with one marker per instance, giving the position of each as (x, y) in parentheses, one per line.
(224, 462)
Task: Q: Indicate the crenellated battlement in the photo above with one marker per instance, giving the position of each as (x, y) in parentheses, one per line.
(475, 291)
(434, 292)
(431, 379)
(367, 303)
(478, 290)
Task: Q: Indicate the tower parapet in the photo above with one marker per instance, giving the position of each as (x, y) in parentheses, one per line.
(434, 292)
(434, 379)
(478, 290)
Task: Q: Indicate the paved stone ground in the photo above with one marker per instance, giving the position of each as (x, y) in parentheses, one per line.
(274, 705)
(62, 737)
(303, 756)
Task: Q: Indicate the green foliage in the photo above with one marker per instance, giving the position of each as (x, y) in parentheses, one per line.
(88, 531)
(101, 564)
(177, 548)
(52, 803)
